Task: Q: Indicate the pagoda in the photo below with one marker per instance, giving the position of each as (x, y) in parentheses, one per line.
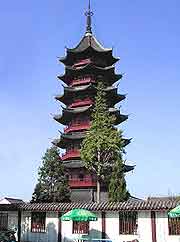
(85, 64)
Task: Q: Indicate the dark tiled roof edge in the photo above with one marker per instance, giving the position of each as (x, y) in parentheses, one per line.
(9, 207)
(104, 206)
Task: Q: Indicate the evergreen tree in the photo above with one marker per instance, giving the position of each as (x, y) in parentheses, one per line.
(103, 142)
(52, 184)
(117, 185)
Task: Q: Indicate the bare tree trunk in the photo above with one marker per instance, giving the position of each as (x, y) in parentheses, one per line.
(98, 191)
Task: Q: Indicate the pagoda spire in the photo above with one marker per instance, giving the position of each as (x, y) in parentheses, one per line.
(89, 14)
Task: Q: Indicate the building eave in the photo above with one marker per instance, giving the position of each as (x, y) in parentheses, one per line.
(64, 139)
(140, 205)
(88, 41)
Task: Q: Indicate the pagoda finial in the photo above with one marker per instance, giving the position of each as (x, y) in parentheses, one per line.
(89, 14)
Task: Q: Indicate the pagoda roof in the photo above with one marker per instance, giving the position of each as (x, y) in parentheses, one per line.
(68, 113)
(70, 70)
(89, 41)
(86, 69)
(119, 117)
(70, 91)
(126, 141)
(90, 66)
(64, 139)
(79, 164)
(76, 110)
(78, 88)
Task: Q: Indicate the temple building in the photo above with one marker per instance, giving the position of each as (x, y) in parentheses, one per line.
(85, 64)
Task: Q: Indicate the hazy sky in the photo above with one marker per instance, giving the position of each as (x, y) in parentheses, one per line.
(146, 36)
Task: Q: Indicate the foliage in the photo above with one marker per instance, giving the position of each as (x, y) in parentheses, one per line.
(117, 186)
(7, 236)
(103, 141)
(52, 184)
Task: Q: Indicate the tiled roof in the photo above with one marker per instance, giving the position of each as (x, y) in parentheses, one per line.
(104, 206)
(9, 207)
(132, 205)
(14, 200)
(87, 41)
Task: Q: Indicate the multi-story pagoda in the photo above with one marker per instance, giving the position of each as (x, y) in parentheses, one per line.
(85, 64)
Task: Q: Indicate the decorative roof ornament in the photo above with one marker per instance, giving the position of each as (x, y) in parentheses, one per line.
(89, 14)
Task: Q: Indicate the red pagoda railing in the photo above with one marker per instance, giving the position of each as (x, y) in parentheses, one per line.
(77, 127)
(82, 80)
(86, 182)
(80, 103)
(71, 154)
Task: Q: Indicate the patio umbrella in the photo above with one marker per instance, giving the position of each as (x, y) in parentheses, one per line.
(79, 215)
(175, 212)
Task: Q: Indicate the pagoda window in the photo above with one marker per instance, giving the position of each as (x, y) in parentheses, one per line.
(128, 223)
(174, 226)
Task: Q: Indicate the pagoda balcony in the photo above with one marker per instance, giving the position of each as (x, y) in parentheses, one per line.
(77, 127)
(82, 80)
(86, 182)
(80, 103)
(71, 154)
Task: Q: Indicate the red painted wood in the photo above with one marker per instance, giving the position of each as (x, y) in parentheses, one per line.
(81, 183)
(77, 127)
(80, 81)
(71, 154)
(103, 225)
(82, 62)
(81, 103)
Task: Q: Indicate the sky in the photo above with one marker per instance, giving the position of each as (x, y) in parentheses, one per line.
(144, 34)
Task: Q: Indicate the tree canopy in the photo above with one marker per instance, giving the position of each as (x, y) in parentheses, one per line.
(117, 189)
(52, 184)
(103, 142)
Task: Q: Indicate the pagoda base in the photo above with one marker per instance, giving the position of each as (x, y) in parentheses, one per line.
(87, 195)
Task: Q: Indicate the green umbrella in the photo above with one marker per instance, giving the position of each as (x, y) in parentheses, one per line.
(79, 215)
(175, 212)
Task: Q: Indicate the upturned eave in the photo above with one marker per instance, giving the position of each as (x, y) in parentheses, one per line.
(64, 139)
(68, 113)
(119, 117)
(88, 41)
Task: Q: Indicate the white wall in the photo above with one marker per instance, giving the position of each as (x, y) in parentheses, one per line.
(112, 228)
(143, 233)
(51, 233)
(144, 226)
(162, 230)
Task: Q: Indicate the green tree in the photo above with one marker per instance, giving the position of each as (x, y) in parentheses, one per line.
(52, 184)
(103, 141)
(117, 185)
